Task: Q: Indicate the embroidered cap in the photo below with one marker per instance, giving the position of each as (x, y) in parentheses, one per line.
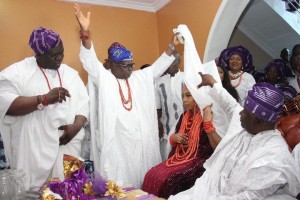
(117, 52)
(42, 39)
(265, 101)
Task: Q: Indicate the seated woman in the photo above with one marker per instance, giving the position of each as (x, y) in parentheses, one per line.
(190, 149)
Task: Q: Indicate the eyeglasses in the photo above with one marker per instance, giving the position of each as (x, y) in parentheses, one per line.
(126, 66)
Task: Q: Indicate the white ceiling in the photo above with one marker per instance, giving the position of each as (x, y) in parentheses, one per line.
(144, 5)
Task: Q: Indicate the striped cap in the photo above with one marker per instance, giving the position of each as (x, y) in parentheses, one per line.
(265, 101)
(41, 40)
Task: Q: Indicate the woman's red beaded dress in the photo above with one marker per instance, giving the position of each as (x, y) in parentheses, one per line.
(185, 163)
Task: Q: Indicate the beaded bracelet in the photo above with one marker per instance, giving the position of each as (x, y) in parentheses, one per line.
(209, 127)
(45, 103)
(85, 35)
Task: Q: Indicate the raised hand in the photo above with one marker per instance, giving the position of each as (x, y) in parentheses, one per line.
(207, 113)
(83, 21)
(207, 79)
(175, 40)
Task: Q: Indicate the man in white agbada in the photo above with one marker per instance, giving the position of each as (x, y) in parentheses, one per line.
(169, 90)
(252, 161)
(44, 105)
(124, 132)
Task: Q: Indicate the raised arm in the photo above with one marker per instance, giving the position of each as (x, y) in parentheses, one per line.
(87, 54)
(172, 45)
(166, 59)
(84, 23)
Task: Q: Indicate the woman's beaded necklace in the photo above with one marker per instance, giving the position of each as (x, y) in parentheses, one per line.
(190, 126)
(235, 76)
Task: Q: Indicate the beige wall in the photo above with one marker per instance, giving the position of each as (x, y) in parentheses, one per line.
(146, 34)
(137, 30)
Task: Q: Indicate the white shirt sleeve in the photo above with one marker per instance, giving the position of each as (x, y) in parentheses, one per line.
(219, 94)
(82, 106)
(91, 63)
(8, 93)
(161, 65)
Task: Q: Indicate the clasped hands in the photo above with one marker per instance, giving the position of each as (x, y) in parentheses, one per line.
(180, 138)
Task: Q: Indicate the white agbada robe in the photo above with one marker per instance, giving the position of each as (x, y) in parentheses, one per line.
(246, 84)
(168, 96)
(296, 155)
(245, 166)
(124, 144)
(32, 141)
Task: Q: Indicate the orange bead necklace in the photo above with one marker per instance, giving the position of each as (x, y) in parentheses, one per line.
(124, 101)
(190, 126)
(60, 82)
(240, 80)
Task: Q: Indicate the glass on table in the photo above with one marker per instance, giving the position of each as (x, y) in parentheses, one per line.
(5, 191)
